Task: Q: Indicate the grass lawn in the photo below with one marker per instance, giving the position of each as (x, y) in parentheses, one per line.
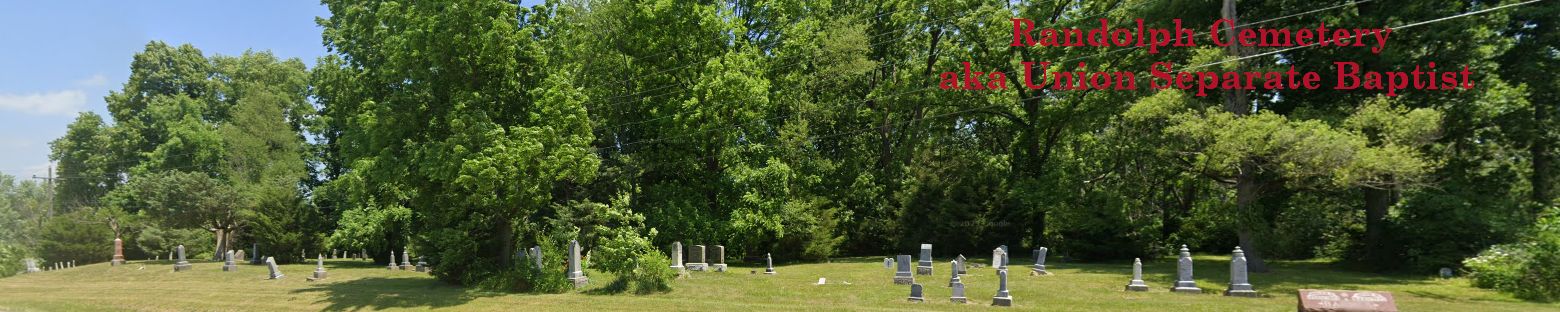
(360, 286)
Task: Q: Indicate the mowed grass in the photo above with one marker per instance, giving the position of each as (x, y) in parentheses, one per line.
(854, 284)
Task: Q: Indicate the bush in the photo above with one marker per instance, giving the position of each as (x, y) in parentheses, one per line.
(160, 242)
(621, 249)
(76, 237)
(653, 273)
(1529, 269)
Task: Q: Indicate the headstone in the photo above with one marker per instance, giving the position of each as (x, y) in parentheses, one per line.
(536, 252)
(1183, 274)
(227, 263)
(996, 259)
(391, 266)
(954, 270)
(239, 256)
(32, 265)
(256, 255)
(696, 258)
(769, 264)
(915, 293)
(1240, 285)
(718, 255)
(888, 263)
(902, 275)
(1003, 298)
(822, 280)
(275, 272)
(73, 264)
(319, 269)
(963, 264)
(422, 265)
(576, 273)
(119, 253)
(406, 260)
(1318, 300)
(924, 266)
(677, 258)
(958, 294)
(1446, 272)
(1039, 268)
(182, 265)
(1137, 283)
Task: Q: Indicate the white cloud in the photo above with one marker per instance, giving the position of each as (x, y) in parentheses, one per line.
(97, 80)
(65, 102)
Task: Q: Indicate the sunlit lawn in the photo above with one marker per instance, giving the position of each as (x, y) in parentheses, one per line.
(853, 284)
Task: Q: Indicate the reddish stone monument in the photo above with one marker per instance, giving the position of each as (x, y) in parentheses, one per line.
(1317, 300)
(119, 253)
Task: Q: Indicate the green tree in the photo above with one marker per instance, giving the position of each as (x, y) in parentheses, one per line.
(184, 200)
(85, 157)
(492, 135)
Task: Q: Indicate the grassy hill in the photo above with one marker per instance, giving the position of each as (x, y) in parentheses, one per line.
(854, 284)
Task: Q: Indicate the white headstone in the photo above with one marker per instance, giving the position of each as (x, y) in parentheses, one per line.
(677, 256)
(227, 264)
(1183, 276)
(1137, 283)
(576, 272)
(276, 273)
(1240, 286)
(319, 269)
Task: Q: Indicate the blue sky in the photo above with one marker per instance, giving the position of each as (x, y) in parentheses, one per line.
(58, 58)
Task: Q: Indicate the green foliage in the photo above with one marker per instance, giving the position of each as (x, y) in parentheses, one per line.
(75, 237)
(1530, 268)
(160, 241)
(17, 230)
(652, 273)
(85, 154)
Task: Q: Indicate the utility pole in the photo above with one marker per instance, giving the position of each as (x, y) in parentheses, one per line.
(48, 188)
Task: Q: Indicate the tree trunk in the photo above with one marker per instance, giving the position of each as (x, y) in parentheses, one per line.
(1246, 183)
(506, 242)
(1247, 191)
(1376, 203)
(217, 255)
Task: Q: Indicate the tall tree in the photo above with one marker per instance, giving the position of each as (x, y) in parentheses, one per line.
(465, 91)
(86, 162)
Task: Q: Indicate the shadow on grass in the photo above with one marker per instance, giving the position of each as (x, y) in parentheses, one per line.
(622, 285)
(378, 293)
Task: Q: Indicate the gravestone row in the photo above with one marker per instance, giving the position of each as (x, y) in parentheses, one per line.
(1240, 284)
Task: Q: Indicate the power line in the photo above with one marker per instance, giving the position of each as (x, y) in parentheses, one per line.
(1083, 19)
(1406, 26)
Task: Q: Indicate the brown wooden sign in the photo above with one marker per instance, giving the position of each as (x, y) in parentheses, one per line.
(1321, 300)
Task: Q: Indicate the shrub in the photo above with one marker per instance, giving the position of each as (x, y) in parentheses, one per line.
(1529, 269)
(75, 237)
(653, 273)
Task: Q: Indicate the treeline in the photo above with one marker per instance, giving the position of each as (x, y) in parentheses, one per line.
(467, 131)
